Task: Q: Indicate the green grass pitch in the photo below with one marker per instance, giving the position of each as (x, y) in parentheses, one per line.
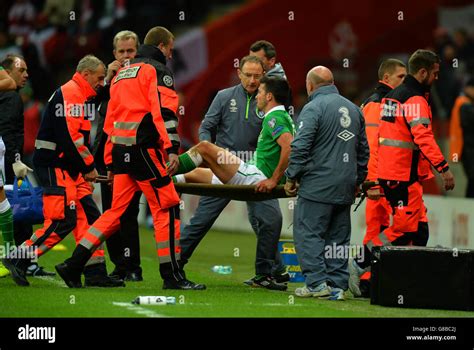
(226, 295)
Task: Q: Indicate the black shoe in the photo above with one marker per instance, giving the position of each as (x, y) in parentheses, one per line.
(36, 271)
(96, 276)
(71, 277)
(17, 271)
(182, 284)
(268, 282)
(134, 277)
(103, 281)
(118, 274)
(281, 277)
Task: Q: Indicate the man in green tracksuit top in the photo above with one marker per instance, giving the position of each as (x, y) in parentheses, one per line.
(265, 170)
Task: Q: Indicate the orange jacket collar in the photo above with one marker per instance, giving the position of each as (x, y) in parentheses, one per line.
(86, 89)
(382, 82)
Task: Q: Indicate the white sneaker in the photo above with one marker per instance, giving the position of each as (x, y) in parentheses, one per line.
(354, 277)
(322, 290)
(337, 294)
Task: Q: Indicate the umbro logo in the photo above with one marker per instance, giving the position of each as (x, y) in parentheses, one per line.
(345, 135)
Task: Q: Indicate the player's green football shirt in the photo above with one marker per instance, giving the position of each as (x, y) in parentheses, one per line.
(275, 123)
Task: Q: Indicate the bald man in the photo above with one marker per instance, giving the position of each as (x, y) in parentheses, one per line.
(328, 161)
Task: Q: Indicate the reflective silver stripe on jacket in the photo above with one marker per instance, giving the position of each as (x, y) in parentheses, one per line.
(45, 144)
(171, 124)
(419, 121)
(124, 140)
(126, 125)
(79, 142)
(174, 137)
(397, 143)
(85, 154)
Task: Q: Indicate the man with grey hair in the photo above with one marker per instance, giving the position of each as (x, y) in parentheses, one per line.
(64, 165)
(234, 121)
(124, 247)
(328, 160)
(126, 45)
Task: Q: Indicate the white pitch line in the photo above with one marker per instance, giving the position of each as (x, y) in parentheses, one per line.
(139, 310)
(52, 280)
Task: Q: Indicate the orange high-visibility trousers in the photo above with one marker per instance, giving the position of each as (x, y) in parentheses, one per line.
(410, 224)
(59, 209)
(77, 201)
(377, 217)
(164, 207)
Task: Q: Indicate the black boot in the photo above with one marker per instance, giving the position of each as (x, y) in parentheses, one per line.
(96, 276)
(183, 284)
(118, 273)
(174, 277)
(17, 268)
(134, 276)
(71, 270)
(70, 275)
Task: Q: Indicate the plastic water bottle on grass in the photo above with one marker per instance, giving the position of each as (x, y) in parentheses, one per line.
(154, 300)
(223, 270)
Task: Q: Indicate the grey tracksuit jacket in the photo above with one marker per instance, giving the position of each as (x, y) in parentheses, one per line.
(329, 154)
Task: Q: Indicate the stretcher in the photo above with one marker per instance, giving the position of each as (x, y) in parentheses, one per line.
(240, 192)
(234, 192)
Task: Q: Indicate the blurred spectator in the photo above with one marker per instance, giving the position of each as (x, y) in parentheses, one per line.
(21, 17)
(441, 39)
(467, 125)
(58, 12)
(456, 141)
(40, 35)
(447, 86)
(465, 48)
(7, 46)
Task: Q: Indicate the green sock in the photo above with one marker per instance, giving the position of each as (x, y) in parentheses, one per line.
(6, 227)
(186, 164)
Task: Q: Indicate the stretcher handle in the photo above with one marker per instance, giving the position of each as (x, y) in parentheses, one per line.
(103, 179)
